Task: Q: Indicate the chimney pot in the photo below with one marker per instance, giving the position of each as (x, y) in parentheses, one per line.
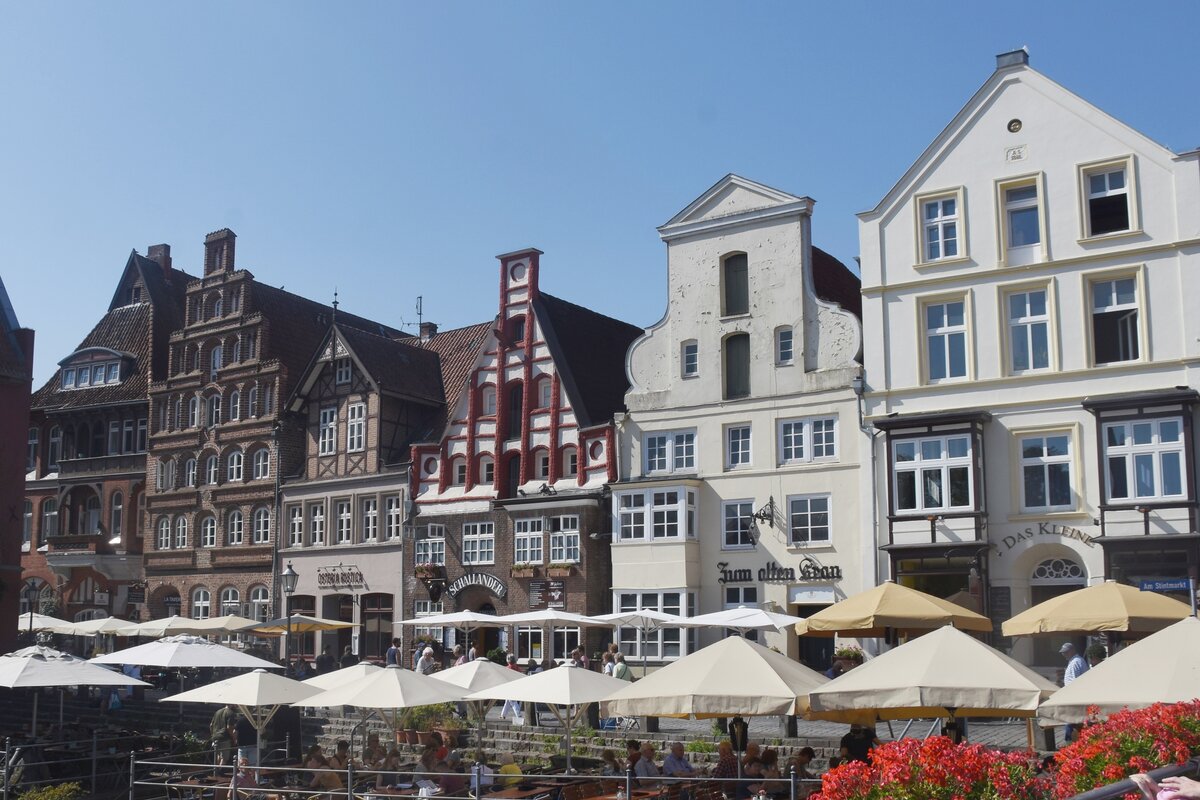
(1013, 58)
(428, 330)
(162, 254)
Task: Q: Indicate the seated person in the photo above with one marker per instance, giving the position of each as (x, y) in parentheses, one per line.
(427, 766)
(633, 752)
(341, 758)
(322, 778)
(801, 761)
(676, 765)
(373, 752)
(771, 783)
(752, 771)
(611, 765)
(726, 766)
(389, 768)
(439, 744)
(752, 754)
(510, 770)
(452, 780)
(645, 769)
(857, 744)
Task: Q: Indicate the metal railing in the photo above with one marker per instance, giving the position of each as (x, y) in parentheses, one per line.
(1121, 788)
(97, 764)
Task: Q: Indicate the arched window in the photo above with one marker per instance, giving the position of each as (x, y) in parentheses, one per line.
(1058, 571)
(179, 421)
(235, 302)
(252, 405)
(487, 470)
(118, 511)
(235, 351)
(262, 526)
(189, 472)
(234, 527)
(27, 530)
(214, 410)
(266, 398)
(181, 533)
(166, 475)
(545, 388)
(210, 470)
(194, 412)
(55, 448)
(235, 405)
(214, 362)
(163, 542)
(208, 531)
(201, 604)
(487, 400)
(91, 516)
(260, 603)
(735, 285)
(570, 462)
(43, 593)
(737, 366)
(218, 306)
(31, 451)
(458, 471)
(234, 472)
(231, 601)
(262, 464)
(251, 346)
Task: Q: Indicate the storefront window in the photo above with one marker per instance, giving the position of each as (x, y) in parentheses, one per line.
(377, 625)
(304, 644)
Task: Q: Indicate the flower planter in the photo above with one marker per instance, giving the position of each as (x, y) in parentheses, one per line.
(559, 572)
(411, 737)
(521, 572)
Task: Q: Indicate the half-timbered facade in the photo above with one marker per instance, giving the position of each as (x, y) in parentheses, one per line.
(508, 498)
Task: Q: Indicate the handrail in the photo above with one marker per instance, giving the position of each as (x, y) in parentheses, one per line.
(1123, 787)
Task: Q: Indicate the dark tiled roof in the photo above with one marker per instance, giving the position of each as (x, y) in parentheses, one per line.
(14, 364)
(589, 353)
(457, 352)
(835, 283)
(397, 365)
(126, 329)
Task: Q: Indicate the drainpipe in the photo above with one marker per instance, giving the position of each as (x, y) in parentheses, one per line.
(275, 559)
(871, 552)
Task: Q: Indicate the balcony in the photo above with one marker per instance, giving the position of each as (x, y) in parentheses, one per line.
(102, 466)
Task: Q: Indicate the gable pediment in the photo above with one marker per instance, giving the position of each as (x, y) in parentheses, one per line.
(730, 200)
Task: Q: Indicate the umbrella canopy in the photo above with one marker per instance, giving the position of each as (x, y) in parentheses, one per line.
(567, 690)
(299, 623)
(890, 605)
(167, 626)
(40, 622)
(96, 627)
(458, 619)
(44, 666)
(743, 619)
(342, 677)
(644, 619)
(230, 623)
(1108, 606)
(734, 677)
(1162, 668)
(185, 651)
(389, 689)
(477, 675)
(549, 616)
(944, 673)
(258, 694)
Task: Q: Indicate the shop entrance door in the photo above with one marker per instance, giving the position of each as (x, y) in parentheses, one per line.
(816, 652)
(1052, 578)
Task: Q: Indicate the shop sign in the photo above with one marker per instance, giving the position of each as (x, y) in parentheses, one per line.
(808, 570)
(346, 576)
(100, 599)
(1166, 585)
(1047, 529)
(548, 594)
(136, 596)
(489, 582)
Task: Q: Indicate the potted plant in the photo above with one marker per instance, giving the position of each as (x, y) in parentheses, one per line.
(428, 570)
(419, 721)
(523, 570)
(560, 570)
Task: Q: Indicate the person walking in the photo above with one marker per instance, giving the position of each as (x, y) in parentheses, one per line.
(348, 658)
(427, 664)
(1076, 666)
(621, 670)
(511, 705)
(220, 733)
(325, 662)
(392, 656)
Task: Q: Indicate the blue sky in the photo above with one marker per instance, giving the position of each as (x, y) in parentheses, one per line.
(393, 149)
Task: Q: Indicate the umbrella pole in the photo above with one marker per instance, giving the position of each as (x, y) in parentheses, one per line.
(33, 730)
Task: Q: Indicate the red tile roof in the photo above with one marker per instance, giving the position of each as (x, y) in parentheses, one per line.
(458, 350)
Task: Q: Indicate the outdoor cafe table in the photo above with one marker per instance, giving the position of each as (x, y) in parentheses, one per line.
(519, 793)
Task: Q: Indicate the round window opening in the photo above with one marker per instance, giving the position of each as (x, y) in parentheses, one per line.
(1058, 570)
(430, 466)
(596, 449)
(517, 271)
(1014, 126)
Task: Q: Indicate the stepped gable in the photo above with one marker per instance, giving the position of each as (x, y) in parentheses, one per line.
(457, 351)
(835, 283)
(124, 330)
(589, 353)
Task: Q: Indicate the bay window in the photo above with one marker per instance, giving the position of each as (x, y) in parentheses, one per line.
(932, 474)
(1144, 460)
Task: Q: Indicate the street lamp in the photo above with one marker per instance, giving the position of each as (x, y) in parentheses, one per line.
(288, 577)
(32, 594)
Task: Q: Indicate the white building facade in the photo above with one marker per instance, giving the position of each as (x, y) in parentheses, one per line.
(1030, 355)
(740, 451)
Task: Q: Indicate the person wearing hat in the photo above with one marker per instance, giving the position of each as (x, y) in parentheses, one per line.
(1076, 666)
(427, 665)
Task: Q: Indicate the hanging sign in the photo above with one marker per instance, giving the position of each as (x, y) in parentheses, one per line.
(489, 582)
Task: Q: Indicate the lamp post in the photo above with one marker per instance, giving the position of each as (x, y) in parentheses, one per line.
(32, 594)
(288, 577)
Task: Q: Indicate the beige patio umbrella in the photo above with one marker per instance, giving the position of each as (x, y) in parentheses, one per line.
(258, 695)
(31, 620)
(734, 677)
(185, 651)
(475, 676)
(1162, 668)
(390, 689)
(101, 626)
(346, 676)
(298, 623)
(944, 673)
(167, 626)
(1108, 606)
(567, 690)
(230, 623)
(890, 605)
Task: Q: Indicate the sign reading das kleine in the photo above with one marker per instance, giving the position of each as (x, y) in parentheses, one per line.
(1164, 585)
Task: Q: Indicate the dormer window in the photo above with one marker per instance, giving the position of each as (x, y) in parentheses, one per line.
(343, 371)
(68, 379)
(90, 375)
(135, 295)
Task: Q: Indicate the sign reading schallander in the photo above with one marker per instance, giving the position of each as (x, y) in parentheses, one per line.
(489, 582)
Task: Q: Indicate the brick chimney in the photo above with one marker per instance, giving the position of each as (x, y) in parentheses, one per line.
(218, 251)
(428, 330)
(162, 254)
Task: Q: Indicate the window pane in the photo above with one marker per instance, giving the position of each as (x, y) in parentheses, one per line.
(1032, 448)
(1035, 490)
(1020, 347)
(948, 207)
(935, 316)
(954, 313)
(1168, 430)
(1117, 480)
(959, 447)
(1143, 432)
(931, 449)
(1143, 474)
(1060, 484)
(1041, 345)
(1116, 179)
(906, 490)
(931, 487)
(1172, 482)
(958, 354)
(1057, 445)
(1096, 184)
(1022, 193)
(906, 451)
(1116, 436)
(1126, 291)
(937, 358)
(1016, 305)
(960, 486)
(1023, 227)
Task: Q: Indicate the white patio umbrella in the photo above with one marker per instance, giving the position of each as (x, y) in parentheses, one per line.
(185, 651)
(40, 667)
(733, 677)
(258, 695)
(230, 623)
(1162, 668)
(167, 626)
(554, 618)
(391, 689)
(743, 619)
(342, 677)
(567, 690)
(465, 621)
(101, 626)
(645, 620)
(40, 622)
(945, 673)
(475, 676)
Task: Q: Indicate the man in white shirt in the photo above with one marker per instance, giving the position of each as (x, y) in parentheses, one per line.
(1076, 666)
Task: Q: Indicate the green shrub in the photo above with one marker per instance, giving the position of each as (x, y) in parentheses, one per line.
(498, 655)
(700, 746)
(61, 791)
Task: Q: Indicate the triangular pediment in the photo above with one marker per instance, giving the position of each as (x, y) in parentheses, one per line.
(730, 196)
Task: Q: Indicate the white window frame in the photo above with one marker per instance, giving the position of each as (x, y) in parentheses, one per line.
(529, 540)
(798, 440)
(1028, 322)
(189, 472)
(262, 464)
(570, 466)
(478, 543)
(942, 464)
(212, 470)
(1042, 464)
(739, 453)
(296, 526)
(235, 405)
(942, 228)
(1132, 324)
(261, 533)
(343, 517)
(1021, 255)
(427, 608)
(943, 337)
(194, 411)
(356, 427)
(234, 466)
(393, 517)
(487, 400)
(369, 513)
(742, 512)
(736, 596)
(663, 644)
(785, 346)
(458, 471)
(1124, 164)
(343, 371)
(163, 540)
(565, 541)
(545, 386)
(327, 432)
(668, 452)
(235, 528)
(201, 605)
(431, 549)
(1152, 453)
(181, 532)
(800, 509)
(649, 518)
(689, 358)
(316, 523)
(213, 410)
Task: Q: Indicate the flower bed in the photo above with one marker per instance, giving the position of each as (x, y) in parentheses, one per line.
(1128, 742)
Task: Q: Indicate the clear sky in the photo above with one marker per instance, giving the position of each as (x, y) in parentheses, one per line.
(393, 149)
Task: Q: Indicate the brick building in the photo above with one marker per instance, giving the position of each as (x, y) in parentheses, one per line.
(16, 376)
(86, 449)
(218, 443)
(507, 499)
